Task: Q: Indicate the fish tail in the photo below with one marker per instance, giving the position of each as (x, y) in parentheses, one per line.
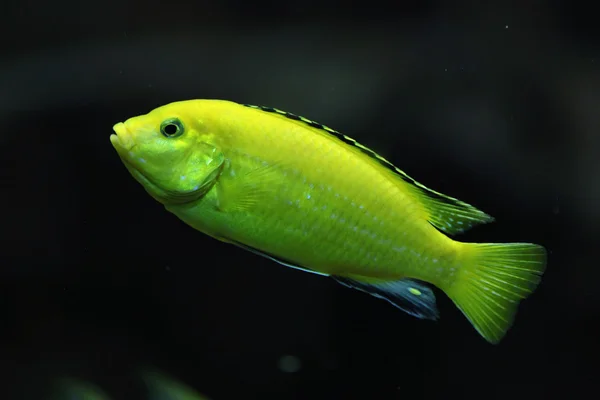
(491, 281)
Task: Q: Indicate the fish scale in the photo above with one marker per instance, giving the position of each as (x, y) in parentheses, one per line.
(328, 196)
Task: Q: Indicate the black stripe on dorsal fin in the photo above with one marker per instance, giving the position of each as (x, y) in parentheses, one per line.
(446, 213)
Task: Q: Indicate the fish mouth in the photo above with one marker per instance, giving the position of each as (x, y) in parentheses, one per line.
(122, 138)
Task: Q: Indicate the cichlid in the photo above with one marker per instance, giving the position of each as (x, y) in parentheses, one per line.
(311, 198)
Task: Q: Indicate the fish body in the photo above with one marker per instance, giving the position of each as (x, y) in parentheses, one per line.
(311, 198)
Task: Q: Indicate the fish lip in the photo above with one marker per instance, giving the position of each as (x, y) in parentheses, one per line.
(122, 137)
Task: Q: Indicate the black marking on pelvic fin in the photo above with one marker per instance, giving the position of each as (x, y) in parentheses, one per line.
(364, 149)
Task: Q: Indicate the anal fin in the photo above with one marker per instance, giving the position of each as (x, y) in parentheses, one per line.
(409, 295)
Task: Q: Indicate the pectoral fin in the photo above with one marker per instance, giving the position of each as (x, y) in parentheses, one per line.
(241, 193)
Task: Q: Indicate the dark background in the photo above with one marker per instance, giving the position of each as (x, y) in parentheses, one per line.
(495, 103)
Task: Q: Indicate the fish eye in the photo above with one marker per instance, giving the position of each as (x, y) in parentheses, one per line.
(171, 128)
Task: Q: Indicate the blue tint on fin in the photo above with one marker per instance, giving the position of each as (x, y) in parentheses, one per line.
(408, 295)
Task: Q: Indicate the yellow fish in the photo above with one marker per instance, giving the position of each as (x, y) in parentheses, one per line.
(311, 198)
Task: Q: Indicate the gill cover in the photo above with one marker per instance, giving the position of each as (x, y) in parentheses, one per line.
(189, 178)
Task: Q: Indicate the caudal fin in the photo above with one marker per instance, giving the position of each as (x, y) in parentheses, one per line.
(492, 281)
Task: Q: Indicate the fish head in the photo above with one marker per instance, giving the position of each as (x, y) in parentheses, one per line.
(169, 153)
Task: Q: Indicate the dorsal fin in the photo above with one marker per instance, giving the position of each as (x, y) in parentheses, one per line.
(446, 213)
